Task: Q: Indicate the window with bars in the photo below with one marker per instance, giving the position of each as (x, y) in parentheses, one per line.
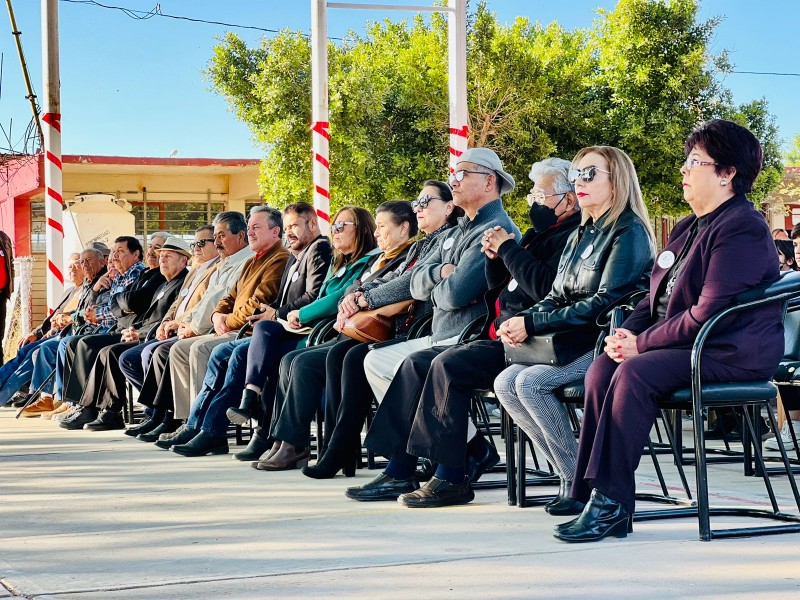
(178, 218)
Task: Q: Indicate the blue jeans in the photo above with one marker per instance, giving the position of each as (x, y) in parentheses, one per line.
(17, 372)
(222, 387)
(45, 363)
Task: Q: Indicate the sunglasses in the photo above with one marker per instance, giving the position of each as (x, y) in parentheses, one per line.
(459, 175)
(201, 243)
(423, 201)
(339, 227)
(585, 174)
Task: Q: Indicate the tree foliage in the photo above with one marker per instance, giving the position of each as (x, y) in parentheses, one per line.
(641, 77)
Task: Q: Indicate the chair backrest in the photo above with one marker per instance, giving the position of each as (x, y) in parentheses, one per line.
(791, 334)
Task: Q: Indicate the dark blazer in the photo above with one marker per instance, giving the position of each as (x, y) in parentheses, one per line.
(164, 296)
(135, 301)
(601, 263)
(732, 253)
(532, 263)
(310, 273)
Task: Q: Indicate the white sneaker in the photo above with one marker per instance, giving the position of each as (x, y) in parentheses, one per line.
(784, 436)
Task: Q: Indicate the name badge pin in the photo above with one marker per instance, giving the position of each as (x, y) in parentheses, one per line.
(666, 259)
(587, 252)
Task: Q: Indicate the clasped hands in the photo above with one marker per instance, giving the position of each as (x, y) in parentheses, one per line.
(493, 239)
(621, 345)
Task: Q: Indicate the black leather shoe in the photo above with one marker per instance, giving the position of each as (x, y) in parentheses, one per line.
(79, 418)
(333, 461)
(166, 426)
(18, 400)
(601, 517)
(255, 449)
(425, 470)
(438, 492)
(563, 505)
(108, 420)
(182, 435)
(143, 427)
(481, 457)
(250, 408)
(203, 444)
(382, 487)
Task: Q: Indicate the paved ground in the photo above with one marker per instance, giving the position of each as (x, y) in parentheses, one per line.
(102, 516)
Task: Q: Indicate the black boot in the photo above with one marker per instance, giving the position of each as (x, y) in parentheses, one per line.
(202, 444)
(168, 425)
(481, 457)
(332, 462)
(562, 504)
(259, 444)
(601, 517)
(250, 408)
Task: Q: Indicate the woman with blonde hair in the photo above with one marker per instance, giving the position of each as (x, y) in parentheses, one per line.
(608, 256)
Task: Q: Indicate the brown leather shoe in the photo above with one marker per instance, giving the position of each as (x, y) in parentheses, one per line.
(287, 457)
(42, 405)
(49, 414)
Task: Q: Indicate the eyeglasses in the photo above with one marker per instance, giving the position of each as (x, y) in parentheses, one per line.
(201, 243)
(339, 227)
(540, 197)
(423, 201)
(459, 175)
(690, 163)
(585, 174)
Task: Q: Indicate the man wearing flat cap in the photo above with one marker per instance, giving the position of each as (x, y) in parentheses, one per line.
(104, 394)
(453, 278)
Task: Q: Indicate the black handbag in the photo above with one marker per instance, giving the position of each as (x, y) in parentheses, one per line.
(557, 349)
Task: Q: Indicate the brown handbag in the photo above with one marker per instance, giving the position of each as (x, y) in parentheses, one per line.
(375, 325)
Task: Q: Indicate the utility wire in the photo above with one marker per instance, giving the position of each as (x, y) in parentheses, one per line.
(141, 15)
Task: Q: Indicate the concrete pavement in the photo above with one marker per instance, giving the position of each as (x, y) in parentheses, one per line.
(100, 515)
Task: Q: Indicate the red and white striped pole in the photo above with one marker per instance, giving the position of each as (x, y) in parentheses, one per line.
(320, 127)
(457, 78)
(53, 201)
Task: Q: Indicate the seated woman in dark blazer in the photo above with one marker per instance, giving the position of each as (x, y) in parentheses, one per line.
(721, 250)
(609, 256)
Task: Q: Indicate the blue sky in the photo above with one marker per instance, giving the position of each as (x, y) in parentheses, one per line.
(134, 87)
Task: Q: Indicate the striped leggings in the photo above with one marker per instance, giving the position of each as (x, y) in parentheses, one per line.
(526, 393)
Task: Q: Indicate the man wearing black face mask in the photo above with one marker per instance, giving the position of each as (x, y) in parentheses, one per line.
(519, 275)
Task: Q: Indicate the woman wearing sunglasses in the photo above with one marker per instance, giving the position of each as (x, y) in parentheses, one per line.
(606, 258)
(649, 356)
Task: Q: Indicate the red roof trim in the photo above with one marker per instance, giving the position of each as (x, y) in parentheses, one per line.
(88, 159)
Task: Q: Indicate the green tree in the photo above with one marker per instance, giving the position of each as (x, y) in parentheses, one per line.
(792, 156)
(641, 77)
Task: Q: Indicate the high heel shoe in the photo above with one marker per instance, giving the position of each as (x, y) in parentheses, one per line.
(601, 517)
(562, 504)
(330, 464)
(255, 449)
(249, 408)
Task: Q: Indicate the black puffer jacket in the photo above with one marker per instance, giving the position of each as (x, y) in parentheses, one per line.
(602, 262)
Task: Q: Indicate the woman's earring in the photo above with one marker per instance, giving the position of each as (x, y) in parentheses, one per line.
(723, 182)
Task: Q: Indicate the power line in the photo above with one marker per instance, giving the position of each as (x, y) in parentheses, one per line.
(141, 15)
(767, 73)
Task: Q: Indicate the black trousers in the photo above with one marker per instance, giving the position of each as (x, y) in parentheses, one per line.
(81, 353)
(620, 407)
(105, 388)
(388, 435)
(156, 390)
(439, 430)
(348, 396)
(301, 381)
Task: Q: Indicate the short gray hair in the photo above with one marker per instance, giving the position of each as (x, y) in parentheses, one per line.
(161, 234)
(234, 219)
(98, 254)
(558, 169)
(273, 215)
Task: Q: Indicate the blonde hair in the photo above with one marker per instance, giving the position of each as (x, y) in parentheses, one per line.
(625, 190)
